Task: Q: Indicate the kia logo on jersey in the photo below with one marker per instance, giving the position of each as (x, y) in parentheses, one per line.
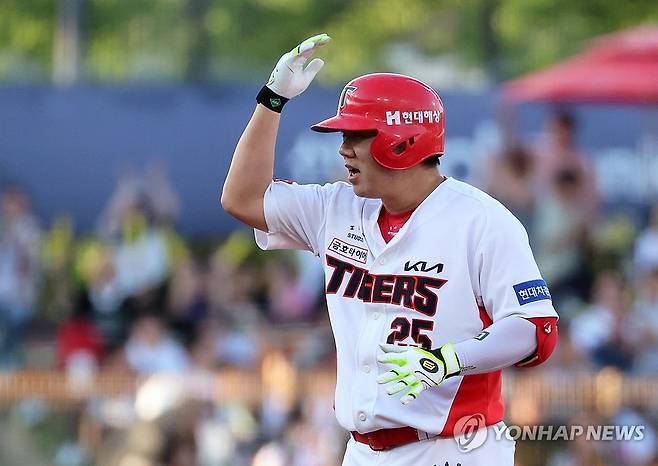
(421, 266)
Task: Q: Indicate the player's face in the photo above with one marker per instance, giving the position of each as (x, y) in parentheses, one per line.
(368, 178)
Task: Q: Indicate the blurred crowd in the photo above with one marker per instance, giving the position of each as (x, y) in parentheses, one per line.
(600, 260)
(135, 297)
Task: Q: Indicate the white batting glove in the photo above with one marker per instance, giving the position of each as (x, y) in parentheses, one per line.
(289, 77)
(416, 369)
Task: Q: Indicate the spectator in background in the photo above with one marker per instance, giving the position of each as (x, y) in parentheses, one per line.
(132, 263)
(150, 348)
(288, 301)
(509, 178)
(115, 300)
(128, 189)
(153, 189)
(140, 253)
(567, 204)
(236, 318)
(134, 223)
(235, 293)
(645, 324)
(603, 331)
(106, 297)
(561, 236)
(200, 380)
(646, 245)
(57, 269)
(20, 243)
(235, 344)
(161, 194)
(187, 301)
(78, 337)
(557, 153)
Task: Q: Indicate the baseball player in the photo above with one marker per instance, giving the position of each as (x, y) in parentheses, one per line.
(431, 285)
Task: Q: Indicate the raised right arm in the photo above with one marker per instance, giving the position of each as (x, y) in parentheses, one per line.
(252, 168)
(252, 165)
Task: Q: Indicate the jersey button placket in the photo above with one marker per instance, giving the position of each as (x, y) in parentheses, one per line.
(369, 337)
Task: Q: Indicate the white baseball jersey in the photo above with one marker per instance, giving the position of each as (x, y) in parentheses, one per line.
(461, 261)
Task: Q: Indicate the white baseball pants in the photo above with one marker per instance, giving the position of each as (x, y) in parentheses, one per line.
(438, 451)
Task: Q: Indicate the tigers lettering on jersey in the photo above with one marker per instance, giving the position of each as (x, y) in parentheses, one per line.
(411, 291)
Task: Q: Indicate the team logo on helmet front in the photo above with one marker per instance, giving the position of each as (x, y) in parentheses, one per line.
(343, 95)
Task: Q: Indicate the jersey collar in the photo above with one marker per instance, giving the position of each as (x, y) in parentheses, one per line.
(371, 211)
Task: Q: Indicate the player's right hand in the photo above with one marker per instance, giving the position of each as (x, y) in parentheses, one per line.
(290, 77)
(416, 369)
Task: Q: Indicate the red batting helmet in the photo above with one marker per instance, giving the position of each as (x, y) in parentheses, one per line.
(406, 113)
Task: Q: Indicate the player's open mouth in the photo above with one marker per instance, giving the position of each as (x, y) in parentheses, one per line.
(353, 172)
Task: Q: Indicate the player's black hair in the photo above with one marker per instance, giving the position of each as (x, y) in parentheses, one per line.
(432, 161)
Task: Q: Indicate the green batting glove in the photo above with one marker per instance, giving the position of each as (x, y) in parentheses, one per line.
(416, 369)
(290, 77)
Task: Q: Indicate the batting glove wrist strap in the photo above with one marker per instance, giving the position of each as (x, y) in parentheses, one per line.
(270, 99)
(447, 355)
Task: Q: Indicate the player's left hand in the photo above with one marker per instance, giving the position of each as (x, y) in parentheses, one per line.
(416, 369)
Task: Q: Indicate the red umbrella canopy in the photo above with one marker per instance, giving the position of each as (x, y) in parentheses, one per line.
(640, 42)
(618, 68)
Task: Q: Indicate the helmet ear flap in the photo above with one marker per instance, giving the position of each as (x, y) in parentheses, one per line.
(394, 151)
(400, 148)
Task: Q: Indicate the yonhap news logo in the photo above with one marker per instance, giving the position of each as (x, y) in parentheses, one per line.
(471, 432)
(570, 433)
